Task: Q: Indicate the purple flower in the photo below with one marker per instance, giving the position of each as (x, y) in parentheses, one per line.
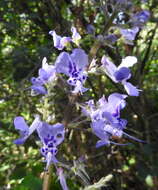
(46, 75)
(129, 34)
(59, 42)
(73, 65)
(105, 118)
(51, 136)
(142, 16)
(75, 36)
(38, 89)
(121, 73)
(98, 130)
(23, 128)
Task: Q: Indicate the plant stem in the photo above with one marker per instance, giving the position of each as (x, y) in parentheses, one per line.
(47, 178)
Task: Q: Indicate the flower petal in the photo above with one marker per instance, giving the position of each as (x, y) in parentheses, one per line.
(39, 89)
(59, 42)
(75, 36)
(35, 124)
(116, 102)
(128, 61)
(122, 74)
(130, 89)
(25, 131)
(108, 67)
(56, 39)
(98, 130)
(43, 74)
(44, 63)
(102, 143)
(20, 124)
(63, 63)
(80, 58)
(37, 81)
(55, 132)
(129, 34)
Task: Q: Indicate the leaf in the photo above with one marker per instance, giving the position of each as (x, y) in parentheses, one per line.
(32, 182)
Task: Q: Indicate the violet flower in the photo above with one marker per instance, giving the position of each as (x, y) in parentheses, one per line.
(51, 136)
(140, 18)
(105, 118)
(61, 42)
(121, 73)
(75, 36)
(46, 75)
(129, 34)
(73, 65)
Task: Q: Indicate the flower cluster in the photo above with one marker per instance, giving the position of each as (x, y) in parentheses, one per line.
(106, 121)
(105, 117)
(72, 65)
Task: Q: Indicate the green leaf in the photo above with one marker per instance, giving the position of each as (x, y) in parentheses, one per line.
(32, 182)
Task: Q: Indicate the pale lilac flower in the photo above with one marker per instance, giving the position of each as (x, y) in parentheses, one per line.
(24, 129)
(73, 65)
(105, 118)
(75, 36)
(47, 72)
(62, 179)
(98, 130)
(129, 34)
(38, 89)
(46, 75)
(121, 73)
(59, 42)
(142, 16)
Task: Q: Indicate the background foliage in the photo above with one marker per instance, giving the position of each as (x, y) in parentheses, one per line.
(24, 41)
